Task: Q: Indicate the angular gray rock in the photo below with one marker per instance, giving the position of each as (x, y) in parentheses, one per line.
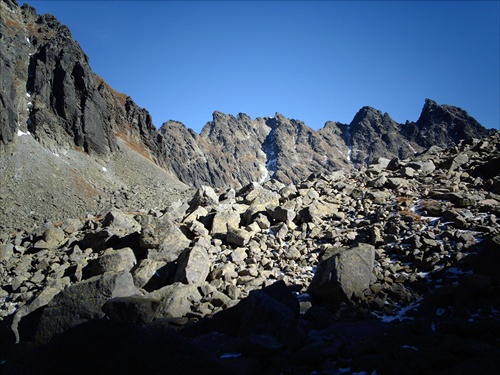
(82, 302)
(193, 266)
(176, 300)
(145, 270)
(111, 260)
(162, 239)
(343, 274)
(120, 224)
(238, 237)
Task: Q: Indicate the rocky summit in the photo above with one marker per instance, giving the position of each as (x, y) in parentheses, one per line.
(259, 246)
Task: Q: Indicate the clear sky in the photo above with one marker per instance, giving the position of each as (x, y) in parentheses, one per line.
(311, 61)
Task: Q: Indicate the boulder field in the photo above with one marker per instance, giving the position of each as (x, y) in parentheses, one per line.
(391, 269)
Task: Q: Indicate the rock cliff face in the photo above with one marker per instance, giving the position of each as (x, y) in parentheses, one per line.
(69, 143)
(236, 150)
(49, 89)
(442, 125)
(13, 64)
(373, 135)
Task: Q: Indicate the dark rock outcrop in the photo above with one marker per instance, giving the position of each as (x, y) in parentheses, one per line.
(52, 90)
(373, 135)
(236, 150)
(15, 48)
(443, 125)
(69, 143)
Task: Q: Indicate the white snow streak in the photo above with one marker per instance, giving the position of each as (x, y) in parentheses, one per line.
(401, 314)
(411, 148)
(349, 143)
(21, 133)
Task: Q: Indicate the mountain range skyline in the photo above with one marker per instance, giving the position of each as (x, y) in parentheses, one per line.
(314, 61)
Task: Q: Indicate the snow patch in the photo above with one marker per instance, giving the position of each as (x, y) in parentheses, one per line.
(343, 370)
(264, 173)
(55, 154)
(399, 315)
(20, 133)
(349, 143)
(104, 169)
(411, 148)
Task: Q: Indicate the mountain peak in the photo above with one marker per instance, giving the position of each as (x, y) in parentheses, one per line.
(443, 125)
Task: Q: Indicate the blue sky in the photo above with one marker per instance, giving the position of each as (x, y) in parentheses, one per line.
(311, 61)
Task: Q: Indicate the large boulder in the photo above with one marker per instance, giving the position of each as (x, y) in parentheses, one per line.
(270, 312)
(52, 238)
(120, 224)
(131, 309)
(176, 300)
(260, 199)
(40, 301)
(486, 260)
(194, 266)
(223, 221)
(113, 261)
(205, 196)
(82, 302)
(238, 237)
(162, 239)
(343, 273)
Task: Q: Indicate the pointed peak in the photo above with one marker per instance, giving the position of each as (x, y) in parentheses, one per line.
(368, 109)
(430, 104)
(366, 112)
(243, 116)
(218, 114)
(279, 116)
